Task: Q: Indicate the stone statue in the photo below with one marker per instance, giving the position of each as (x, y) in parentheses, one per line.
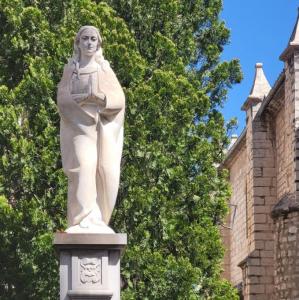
(91, 104)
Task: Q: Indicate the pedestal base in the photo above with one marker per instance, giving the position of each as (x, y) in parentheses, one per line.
(89, 265)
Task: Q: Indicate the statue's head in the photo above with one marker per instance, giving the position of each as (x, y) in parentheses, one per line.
(88, 42)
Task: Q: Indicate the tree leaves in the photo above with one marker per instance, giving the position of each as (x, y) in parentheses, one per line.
(172, 197)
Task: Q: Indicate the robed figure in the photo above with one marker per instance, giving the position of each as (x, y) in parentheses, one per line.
(91, 104)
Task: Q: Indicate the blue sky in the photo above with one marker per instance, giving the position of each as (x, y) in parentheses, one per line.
(260, 30)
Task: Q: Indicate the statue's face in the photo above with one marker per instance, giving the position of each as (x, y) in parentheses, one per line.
(88, 42)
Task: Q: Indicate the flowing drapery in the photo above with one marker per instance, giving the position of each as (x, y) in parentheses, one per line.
(91, 146)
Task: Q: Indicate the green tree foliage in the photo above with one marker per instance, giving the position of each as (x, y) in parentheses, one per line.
(172, 197)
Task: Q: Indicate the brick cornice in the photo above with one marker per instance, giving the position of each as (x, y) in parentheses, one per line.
(285, 205)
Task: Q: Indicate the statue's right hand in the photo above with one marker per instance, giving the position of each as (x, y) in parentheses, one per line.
(79, 98)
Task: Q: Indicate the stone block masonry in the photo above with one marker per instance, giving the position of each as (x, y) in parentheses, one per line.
(89, 265)
(263, 242)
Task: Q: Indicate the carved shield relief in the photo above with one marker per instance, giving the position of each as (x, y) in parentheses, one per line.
(90, 270)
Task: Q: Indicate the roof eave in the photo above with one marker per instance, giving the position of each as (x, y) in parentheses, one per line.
(285, 55)
(233, 150)
(272, 93)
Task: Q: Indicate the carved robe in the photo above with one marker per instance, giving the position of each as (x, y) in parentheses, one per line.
(91, 138)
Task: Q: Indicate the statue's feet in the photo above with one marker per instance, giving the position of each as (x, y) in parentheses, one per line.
(90, 224)
(90, 229)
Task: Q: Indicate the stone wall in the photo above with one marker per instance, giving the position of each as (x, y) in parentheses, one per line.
(264, 174)
(286, 211)
(289, 130)
(284, 152)
(286, 274)
(238, 222)
(225, 234)
(287, 257)
(258, 266)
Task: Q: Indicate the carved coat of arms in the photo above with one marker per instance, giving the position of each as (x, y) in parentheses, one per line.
(90, 270)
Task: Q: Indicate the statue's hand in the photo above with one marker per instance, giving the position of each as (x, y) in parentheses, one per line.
(100, 98)
(96, 97)
(80, 98)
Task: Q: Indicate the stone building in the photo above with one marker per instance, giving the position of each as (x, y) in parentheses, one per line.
(262, 232)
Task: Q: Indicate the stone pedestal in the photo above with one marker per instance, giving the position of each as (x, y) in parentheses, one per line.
(89, 265)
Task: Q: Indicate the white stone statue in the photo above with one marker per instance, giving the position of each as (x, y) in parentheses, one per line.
(91, 104)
